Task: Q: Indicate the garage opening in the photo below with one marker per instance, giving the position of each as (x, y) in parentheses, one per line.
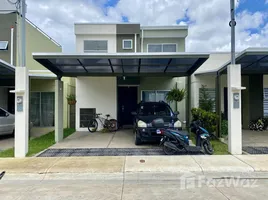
(114, 84)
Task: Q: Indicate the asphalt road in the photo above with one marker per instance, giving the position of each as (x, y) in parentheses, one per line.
(64, 187)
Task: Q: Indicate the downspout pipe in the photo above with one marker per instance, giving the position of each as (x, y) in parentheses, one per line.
(12, 46)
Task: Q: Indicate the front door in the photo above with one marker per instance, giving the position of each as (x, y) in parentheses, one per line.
(127, 103)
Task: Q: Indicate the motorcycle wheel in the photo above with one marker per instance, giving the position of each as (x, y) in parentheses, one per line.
(168, 151)
(207, 147)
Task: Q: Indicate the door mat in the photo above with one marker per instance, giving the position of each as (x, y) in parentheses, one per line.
(255, 150)
(108, 152)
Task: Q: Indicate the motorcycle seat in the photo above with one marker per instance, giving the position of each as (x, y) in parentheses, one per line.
(184, 133)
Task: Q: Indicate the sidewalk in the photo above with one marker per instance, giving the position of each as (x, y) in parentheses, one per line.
(134, 164)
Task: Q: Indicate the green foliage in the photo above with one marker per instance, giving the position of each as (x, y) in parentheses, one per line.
(224, 127)
(219, 147)
(39, 144)
(176, 95)
(205, 102)
(7, 153)
(71, 97)
(209, 119)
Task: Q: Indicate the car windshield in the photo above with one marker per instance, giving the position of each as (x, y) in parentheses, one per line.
(154, 109)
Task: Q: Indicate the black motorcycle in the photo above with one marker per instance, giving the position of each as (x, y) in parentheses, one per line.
(174, 141)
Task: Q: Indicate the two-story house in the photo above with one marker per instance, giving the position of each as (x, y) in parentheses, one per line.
(42, 81)
(119, 95)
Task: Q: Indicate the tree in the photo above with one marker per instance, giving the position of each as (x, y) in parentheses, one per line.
(205, 101)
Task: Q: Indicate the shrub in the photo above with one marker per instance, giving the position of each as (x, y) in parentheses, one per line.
(224, 127)
(209, 119)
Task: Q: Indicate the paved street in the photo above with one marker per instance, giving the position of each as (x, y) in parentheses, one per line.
(133, 187)
(136, 177)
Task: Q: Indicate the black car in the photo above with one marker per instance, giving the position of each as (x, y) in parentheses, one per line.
(146, 113)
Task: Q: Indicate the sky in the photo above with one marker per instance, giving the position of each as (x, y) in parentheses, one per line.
(208, 20)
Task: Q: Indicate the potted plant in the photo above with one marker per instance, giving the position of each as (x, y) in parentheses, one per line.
(176, 95)
(71, 99)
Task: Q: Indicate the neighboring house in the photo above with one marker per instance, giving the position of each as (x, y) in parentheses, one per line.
(118, 96)
(253, 76)
(42, 81)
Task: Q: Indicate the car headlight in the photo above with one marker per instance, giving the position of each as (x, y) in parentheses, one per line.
(142, 124)
(177, 124)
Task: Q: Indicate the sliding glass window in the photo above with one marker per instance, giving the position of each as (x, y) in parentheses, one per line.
(42, 109)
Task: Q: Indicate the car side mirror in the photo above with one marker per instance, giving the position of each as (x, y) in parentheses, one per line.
(134, 113)
(7, 114)
(176, 113)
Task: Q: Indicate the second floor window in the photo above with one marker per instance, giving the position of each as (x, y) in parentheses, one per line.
(162, 47)
(95, 46)
(127, 44)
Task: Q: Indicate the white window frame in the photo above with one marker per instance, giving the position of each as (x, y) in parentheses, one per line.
(95, 51)
(162, 44)
(127, 40)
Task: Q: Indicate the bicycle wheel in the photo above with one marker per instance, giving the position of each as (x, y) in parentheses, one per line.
(92, 125)
(113, 125)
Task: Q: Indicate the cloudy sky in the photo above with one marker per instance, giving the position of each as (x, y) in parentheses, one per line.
(207, 19)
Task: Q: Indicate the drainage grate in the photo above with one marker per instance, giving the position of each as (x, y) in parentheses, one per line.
(256, 150)
(107, 152)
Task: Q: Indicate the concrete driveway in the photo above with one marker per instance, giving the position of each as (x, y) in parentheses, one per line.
(255, 138)
(120, 139)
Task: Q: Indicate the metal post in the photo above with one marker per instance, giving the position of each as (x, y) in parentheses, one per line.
(23, 38)
(232, 24)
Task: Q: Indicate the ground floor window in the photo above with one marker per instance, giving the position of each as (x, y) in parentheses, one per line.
(211, 93)
(42, 108)
(154, 95)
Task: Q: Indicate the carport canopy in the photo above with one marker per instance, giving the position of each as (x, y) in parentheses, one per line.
(122, 64)
(7, 74)
(252, 61)
(6, 69)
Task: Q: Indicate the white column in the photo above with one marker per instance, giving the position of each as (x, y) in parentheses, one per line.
(58, 111)
(234, 109)
(135, 43)
(21, 112)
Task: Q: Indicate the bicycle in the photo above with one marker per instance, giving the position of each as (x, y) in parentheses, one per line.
(110, 124)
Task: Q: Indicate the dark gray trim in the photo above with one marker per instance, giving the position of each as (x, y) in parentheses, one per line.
(128, 28)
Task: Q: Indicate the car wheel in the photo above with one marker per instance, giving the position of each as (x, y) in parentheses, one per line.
(137, 139)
